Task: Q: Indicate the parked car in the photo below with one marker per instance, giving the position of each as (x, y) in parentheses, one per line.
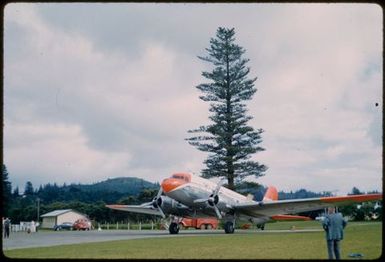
(82, 224)
(63, 226)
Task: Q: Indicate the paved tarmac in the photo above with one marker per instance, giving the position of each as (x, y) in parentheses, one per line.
(54, 238)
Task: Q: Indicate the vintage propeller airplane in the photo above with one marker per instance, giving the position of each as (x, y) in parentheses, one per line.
(187, 195)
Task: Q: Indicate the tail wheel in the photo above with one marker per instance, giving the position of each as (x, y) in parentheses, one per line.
(203, 226)
(209, 226)
(229, 227)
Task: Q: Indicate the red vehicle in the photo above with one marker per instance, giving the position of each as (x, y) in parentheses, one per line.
(82, 224)
(199, 223)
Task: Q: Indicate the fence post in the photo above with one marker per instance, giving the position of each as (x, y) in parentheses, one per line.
(117, 225)
(128, 226)
(140, 225)
(152, 225)
(108, 226)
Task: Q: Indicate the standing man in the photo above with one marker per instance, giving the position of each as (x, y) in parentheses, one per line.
(7, 224)
(334, 225)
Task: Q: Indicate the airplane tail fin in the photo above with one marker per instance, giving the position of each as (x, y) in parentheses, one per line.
(271, 194)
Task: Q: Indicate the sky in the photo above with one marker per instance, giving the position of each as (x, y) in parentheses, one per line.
(100, 90)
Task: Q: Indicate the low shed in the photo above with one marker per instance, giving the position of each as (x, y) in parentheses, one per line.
(58, 217)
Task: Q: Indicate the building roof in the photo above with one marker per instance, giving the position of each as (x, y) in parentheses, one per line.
(56, 213)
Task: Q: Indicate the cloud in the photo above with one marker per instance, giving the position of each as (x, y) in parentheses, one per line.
(317, 90)
(116, 83)
(123, 106)
(58, 153)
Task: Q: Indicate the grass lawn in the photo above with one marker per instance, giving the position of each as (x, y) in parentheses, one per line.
(364, 238)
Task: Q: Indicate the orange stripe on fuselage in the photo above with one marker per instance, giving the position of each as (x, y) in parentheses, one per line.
(355, 198)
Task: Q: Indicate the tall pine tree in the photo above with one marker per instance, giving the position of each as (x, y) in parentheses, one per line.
(229, 141)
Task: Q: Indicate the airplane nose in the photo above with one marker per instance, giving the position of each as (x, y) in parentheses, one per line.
(170, 184)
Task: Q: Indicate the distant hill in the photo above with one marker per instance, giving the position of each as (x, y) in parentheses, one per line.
(109, 191)
(125, 185)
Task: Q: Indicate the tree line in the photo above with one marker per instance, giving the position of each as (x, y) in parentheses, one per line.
(86, 199)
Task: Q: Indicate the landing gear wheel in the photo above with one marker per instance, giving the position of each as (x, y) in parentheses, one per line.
(229, 227)
(261, 226)
(173, 228)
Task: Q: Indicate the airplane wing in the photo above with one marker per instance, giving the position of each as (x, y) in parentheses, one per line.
(272, 208)
(143, 209)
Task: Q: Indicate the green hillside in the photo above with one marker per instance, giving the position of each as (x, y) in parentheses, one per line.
(108, 191)
(89, 199)
(129, 185)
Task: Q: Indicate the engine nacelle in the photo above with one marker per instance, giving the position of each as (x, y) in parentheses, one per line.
(170, 206)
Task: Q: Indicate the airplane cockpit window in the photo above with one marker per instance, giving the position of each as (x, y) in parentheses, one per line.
(181, 177)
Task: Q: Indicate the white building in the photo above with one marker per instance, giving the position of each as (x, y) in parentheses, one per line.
(58, 217)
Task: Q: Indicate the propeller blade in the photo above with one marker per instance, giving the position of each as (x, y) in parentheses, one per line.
(159, 192)
(161, 212)
(146, 204)
(214, 199)
(220, 183)
(219, 216)
(157, 202)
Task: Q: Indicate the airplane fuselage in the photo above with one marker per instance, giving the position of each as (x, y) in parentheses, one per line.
(189, 189)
